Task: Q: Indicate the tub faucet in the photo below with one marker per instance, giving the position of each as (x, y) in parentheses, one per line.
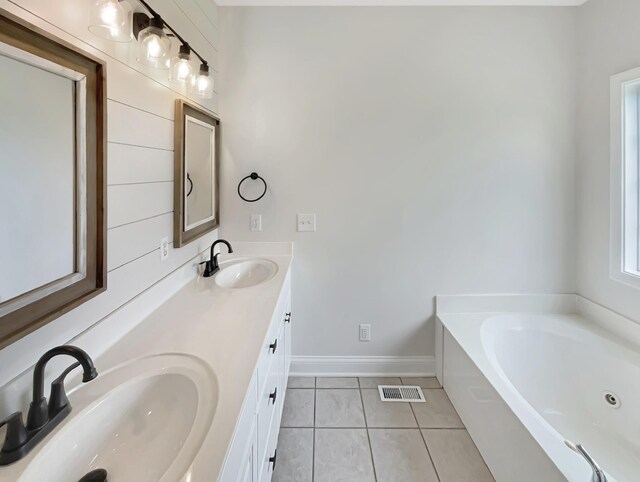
(211, 267)
(598, 474)
(43, 417)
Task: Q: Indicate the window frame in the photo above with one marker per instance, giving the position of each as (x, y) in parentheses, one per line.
(625, 178)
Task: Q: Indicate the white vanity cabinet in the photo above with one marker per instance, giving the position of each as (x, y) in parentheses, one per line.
(252, 455)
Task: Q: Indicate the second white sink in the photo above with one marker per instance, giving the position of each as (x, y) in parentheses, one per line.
(144, 421)
(244, 273)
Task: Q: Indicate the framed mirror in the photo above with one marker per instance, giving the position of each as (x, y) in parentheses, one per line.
(197, 180)
(52, 177)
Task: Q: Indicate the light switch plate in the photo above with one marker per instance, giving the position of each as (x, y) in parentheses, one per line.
(306, 222)
(256, 222)
(164, 248)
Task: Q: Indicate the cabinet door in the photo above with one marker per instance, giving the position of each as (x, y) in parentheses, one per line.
(249, 469)
(244, 440)
(282, 374)
(287, 345)
(247, 474)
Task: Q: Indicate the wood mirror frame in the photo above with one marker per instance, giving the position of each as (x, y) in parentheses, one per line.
(180, 235)
(19, 34)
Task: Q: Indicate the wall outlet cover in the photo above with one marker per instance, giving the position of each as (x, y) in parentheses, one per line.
(164, 248)
(365, 332)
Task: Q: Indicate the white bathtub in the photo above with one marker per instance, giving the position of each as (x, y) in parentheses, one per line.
(524, 383)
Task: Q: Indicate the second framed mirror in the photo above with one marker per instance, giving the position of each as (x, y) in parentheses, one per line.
(196, 173)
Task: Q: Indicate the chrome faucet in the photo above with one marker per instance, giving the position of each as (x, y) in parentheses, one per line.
(598, 474)
(211, 267)
(43, 416)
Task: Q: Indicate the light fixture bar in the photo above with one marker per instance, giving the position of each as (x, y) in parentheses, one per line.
(169, 27)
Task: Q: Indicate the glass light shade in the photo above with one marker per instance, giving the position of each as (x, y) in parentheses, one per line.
(154, 45)
(202, 84)
(111, 19)
(181, 70)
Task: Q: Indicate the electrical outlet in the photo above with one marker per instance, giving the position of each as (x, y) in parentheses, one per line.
(365, 332)
(256, 222)
(306, 222)
(164, 248)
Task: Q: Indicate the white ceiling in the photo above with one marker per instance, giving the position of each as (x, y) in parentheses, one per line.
(539, 3)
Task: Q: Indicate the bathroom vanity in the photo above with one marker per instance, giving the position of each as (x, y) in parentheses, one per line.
(192, 392)
(252, 455)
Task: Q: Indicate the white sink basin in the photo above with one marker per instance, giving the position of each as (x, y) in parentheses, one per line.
(243, 273)
(144, 421)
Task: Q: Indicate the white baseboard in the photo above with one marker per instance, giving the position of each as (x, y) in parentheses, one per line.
(324, 366)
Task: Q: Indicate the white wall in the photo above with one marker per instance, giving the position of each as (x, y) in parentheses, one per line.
(140, 167)
(436, 146)
(609, 43)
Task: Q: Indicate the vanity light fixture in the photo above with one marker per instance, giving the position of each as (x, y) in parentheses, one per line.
(111, 19)
(202, 85)
(181, 70)
(154, 45)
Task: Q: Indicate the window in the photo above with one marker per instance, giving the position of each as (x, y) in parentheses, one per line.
(625, 178)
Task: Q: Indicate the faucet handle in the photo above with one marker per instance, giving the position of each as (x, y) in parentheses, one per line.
(58, 399)
(16, 435)
(598, 474)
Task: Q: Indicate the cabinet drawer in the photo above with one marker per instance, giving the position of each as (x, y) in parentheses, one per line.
(267, 404)
(269, 352)
(282, 369)
(270, 458)
(271, 348)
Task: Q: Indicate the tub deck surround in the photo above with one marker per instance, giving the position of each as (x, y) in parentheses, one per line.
(225, 328)
(540, 374)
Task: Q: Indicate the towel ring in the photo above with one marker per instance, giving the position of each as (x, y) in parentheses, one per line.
(253, 176)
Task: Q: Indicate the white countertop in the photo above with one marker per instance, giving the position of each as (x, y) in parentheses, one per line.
(225, 328)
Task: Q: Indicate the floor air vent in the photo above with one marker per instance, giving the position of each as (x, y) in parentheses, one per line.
(401, 393)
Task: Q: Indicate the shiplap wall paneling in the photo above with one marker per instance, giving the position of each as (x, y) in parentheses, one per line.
(131, 241)
(135, 164)
(129, 203)
(202, 22)
(129, 125)
(174, 13)
(210, 10)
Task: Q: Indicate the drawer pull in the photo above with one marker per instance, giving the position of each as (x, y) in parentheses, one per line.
(273, 396)
(272, 460)
(274, 346)
(287, 317)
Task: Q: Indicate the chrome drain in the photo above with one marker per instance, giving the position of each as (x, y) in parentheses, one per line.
(612, 399)
(98, 475)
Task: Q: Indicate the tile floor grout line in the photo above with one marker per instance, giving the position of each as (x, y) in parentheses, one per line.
(313, 442)
(366, 425)
(425, 441)
(430, 457)
(342, 388)
(377, 428)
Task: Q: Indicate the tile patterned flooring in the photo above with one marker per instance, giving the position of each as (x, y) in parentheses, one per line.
(338, 430)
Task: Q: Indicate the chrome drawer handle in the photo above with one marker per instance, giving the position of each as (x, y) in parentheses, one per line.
(274, 346)
(274, 395)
